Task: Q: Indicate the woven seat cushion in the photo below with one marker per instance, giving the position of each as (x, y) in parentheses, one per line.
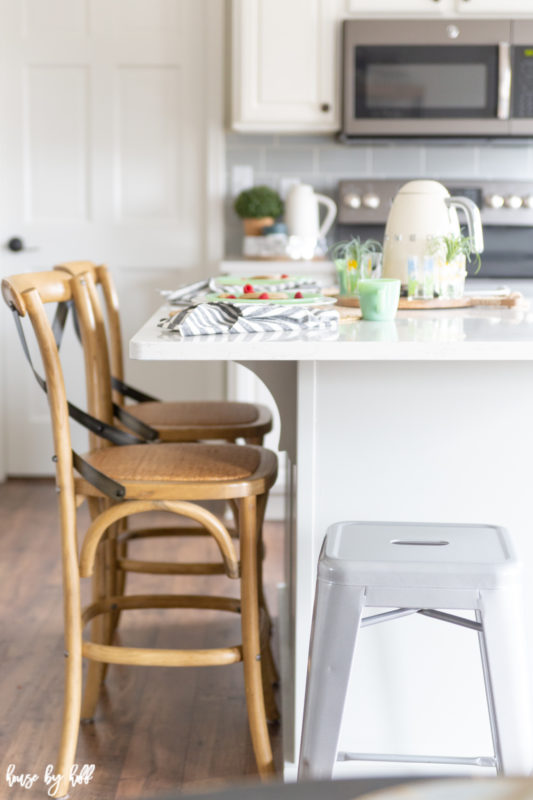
(194, 414)
(176, 462)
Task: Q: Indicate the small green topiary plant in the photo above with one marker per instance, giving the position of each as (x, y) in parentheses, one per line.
(258, 202)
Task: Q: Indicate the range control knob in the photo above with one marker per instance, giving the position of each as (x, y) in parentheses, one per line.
(371, 200)
(352, 200)
(513, 201)
(528, 201)
(494, 201)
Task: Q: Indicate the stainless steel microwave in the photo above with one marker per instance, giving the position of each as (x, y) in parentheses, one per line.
(438, 78)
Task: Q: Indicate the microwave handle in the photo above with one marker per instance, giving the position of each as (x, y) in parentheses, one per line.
(504, 80)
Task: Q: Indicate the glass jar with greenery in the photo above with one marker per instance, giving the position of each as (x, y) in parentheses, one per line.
(452, 255)
(354, 260)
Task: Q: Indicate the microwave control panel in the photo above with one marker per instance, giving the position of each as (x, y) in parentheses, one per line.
(522, 82)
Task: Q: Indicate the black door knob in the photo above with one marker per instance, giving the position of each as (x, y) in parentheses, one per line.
(15, 244)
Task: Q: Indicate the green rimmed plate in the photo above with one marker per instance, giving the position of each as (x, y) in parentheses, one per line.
(238, 280)
(308, 299)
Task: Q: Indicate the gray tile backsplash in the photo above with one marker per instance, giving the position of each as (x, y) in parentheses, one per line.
(396, 162)
(251, 156)
(501, 162)
(452, 161)
(321, 161)
(338, 159)
(290, 160)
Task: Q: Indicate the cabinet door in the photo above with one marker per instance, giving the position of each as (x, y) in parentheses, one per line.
(493, 7)
(285, 65)
(377, 8)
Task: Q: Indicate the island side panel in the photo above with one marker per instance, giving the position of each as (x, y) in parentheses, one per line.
(423, 441)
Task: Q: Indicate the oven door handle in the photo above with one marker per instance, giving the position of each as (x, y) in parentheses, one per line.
(504, 80)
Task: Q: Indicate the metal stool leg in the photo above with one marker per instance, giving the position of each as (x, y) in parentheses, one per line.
(337, 616)
(502, 644)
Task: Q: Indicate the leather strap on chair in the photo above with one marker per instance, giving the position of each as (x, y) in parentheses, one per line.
(146, 432)
(138, 427)
(131, 392)
(100, 480)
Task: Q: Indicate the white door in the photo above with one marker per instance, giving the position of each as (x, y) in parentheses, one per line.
(107, 154)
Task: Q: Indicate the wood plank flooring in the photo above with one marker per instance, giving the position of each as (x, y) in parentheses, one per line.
(156, 730)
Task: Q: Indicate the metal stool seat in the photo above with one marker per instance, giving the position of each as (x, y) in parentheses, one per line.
(417, 568)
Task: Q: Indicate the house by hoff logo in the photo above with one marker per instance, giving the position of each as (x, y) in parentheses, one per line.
(27, 780)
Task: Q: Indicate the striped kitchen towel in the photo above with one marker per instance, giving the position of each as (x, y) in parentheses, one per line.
(209, 318)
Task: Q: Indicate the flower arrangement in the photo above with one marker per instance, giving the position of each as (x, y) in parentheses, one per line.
(453, 247)
(452, 254)
(354, 260)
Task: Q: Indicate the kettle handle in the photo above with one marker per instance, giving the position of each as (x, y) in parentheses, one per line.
(473, 219)
(330, 216)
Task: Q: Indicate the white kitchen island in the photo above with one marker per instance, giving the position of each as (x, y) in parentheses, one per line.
(427, 418)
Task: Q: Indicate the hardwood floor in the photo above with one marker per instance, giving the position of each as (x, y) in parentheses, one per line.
(156, 730)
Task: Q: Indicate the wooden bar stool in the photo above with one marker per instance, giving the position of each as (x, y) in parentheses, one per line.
(174, 421)
(121, 481)
(417, 568)
(99, 380)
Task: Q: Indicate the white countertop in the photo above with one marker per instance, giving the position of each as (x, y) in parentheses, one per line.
(474, 334)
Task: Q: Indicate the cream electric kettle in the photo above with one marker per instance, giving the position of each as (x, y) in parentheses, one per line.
(421, 211)
(302, 214)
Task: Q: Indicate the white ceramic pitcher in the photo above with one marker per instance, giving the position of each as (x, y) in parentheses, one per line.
(302, 214)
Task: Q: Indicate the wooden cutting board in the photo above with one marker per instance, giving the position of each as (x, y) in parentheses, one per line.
(506, 301)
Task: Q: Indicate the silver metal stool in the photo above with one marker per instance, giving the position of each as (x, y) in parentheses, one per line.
(417, 568)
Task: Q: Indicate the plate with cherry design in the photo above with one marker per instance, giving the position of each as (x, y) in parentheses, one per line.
(276, 281)
(258, 295)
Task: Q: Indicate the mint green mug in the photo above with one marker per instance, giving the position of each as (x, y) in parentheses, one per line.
(378, 298)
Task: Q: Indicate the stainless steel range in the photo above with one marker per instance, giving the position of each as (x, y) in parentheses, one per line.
(506, 212)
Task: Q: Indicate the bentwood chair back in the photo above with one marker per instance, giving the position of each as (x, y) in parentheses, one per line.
(166, 477)
(174, 421)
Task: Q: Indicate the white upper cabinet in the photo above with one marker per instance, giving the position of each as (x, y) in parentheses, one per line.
(285, 71)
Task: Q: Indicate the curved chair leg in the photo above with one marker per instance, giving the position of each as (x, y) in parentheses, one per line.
(267, 677)
(251, 639)
(270, 670)
(110, 578)
(270, 665)
(115, 577)
(96, 670)
(73, 653)
(71, 719)
(120, 579)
